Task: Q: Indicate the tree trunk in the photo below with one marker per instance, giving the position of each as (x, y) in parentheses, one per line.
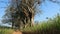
(12, 25)
(32, 21)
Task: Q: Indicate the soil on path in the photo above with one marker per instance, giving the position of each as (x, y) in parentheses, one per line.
(17, 32)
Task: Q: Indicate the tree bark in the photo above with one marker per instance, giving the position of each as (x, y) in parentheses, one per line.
(32, 21)
(12, 25)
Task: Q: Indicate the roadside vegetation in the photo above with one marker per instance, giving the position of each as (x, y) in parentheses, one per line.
(52, 26)
(5, 31)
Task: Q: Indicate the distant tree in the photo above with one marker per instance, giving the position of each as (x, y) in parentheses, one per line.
(8, 17)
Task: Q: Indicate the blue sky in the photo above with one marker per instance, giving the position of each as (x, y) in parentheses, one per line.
(49, 9)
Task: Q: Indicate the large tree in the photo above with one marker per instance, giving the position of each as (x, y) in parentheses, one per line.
(27, 8)
(22, 11)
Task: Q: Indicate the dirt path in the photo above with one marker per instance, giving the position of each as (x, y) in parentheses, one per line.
(17, 32)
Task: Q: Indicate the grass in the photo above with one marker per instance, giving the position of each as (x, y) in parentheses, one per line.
(43, 28)
(6, 31)
(48, 27)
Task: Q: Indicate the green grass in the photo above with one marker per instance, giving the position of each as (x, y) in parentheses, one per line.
(48, 27)
(41, 27)
(6, 31)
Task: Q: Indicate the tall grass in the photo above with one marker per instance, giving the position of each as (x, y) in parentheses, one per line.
(6, 31)
(52, 26)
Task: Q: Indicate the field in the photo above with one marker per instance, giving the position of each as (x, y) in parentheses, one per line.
(44, 28)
